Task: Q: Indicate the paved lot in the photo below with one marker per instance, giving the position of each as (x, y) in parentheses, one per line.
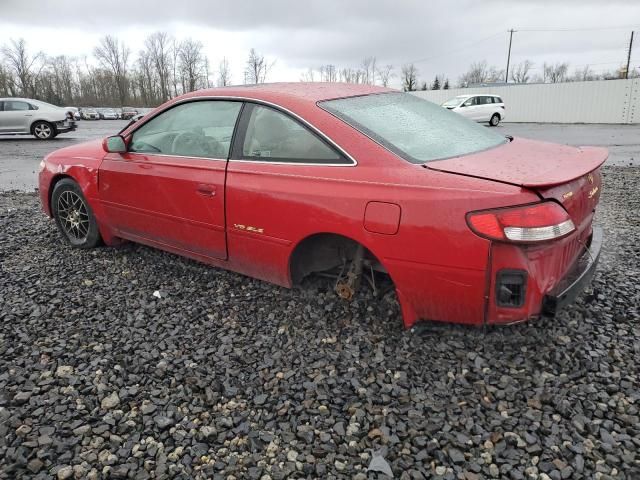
(623, 141)
(20, 156)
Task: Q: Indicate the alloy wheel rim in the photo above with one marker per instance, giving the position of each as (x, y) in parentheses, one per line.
(43, 130)
(73, 215)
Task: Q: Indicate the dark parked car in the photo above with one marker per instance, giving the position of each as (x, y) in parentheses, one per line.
(128, 113)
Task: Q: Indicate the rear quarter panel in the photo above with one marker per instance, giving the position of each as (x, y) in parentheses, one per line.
(437, 264)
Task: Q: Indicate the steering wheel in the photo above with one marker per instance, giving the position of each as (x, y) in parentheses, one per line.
(197, 144)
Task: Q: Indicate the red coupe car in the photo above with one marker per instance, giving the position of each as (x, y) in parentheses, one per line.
(285, 180)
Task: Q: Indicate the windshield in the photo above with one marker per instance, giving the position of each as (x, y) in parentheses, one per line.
(455, 101)
(415, 129)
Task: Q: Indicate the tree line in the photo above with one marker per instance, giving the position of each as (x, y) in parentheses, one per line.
(524, 72)
(166, 67)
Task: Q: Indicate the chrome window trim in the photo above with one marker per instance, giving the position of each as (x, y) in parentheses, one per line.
(293, 162)
(177, 156)
(307, 124)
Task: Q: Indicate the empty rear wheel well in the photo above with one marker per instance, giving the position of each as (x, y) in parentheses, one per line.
(322, 252)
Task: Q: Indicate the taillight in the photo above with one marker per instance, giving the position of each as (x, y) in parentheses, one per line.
(527, 224)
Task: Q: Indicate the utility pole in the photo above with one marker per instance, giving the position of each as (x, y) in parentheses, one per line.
(626, 72)
(506, 75)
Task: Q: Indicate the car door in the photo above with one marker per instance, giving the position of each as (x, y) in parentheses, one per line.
(277, 166)
(3, 122)
(485, 108)
(167, 190)
(16, 116)
(468, 108)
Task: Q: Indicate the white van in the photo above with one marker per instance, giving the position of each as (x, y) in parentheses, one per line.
(484, 107)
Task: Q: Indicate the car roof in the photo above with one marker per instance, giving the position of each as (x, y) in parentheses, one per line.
(292, 92)
(21, 99)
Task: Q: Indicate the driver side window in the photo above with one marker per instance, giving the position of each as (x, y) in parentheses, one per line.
(470, 102)
(196, 129)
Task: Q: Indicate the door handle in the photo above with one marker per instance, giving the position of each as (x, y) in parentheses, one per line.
(206, 190)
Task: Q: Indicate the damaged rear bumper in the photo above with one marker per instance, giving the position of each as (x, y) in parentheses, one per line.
(575, 281)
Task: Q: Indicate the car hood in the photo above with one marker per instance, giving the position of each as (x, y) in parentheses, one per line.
(89, 154)
(527, 163)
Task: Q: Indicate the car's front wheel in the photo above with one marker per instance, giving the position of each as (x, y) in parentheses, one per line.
(43, 130)
(495, 120)
(73, 215)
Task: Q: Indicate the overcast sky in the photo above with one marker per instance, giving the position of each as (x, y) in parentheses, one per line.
(441, 37)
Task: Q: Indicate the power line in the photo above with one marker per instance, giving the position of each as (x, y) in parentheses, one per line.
(484, 39)
(584, 65)
(586, 29)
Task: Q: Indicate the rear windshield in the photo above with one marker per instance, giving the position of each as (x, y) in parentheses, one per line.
(415, 129)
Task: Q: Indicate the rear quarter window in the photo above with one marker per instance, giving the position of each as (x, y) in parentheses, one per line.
(413, 128)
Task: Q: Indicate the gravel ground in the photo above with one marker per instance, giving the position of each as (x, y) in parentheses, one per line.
(228, 377)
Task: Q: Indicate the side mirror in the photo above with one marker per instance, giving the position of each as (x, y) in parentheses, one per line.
(114, 144)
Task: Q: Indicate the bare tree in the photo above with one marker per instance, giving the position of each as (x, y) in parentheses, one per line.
(175, 53)
(158, 50)
(369, 70)
(520, 72)
(384, 74)
(308, 76)
(191, 64)
(350, 75)
(584, 74)
(224, 73)
(409, 77)
(555, 73)
(25, 67)
(148, 80)
(480, 72)
(207, 83)
(328, 73)
(6, 85)
(114, 56)
(60, 70)
(257, 68)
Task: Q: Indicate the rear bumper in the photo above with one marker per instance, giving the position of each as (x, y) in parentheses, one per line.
(575, 281)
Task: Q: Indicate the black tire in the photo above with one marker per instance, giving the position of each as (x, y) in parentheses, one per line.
(43, 130)
(495, 120)
(73, 215)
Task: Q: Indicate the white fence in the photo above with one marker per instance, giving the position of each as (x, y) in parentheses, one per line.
(603, 101)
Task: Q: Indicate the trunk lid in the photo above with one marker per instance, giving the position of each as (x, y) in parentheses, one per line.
(527, 163)
(579, 197)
